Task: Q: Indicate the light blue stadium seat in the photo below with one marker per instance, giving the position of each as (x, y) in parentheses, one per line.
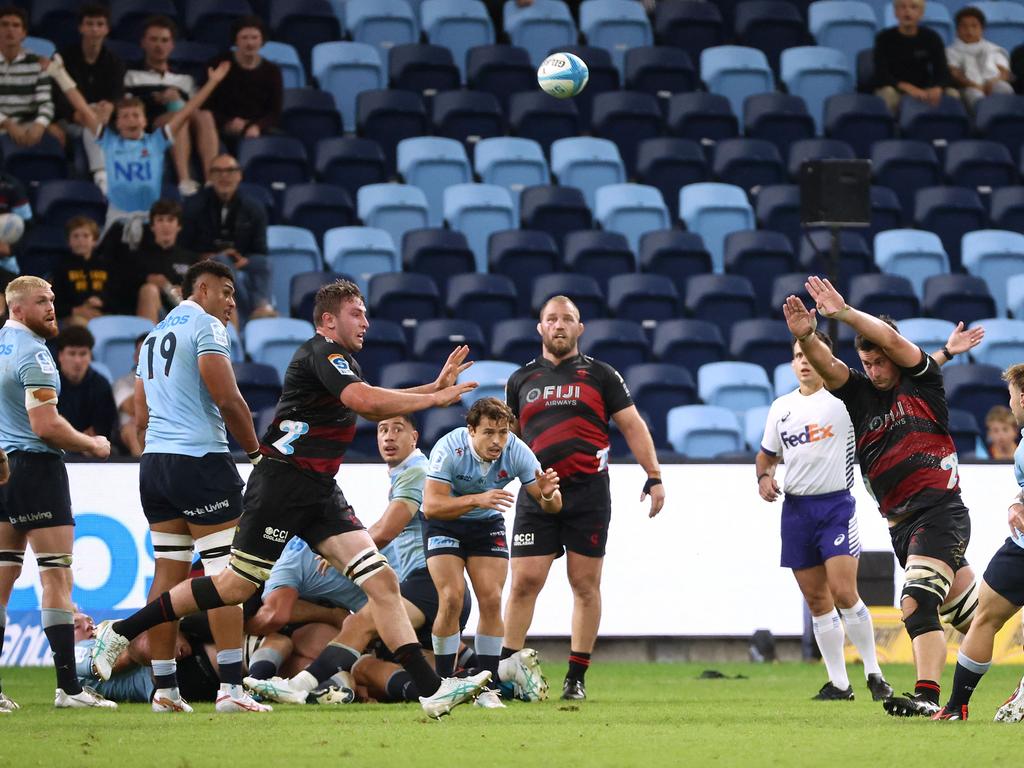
(704, 431)
(237, 348)
(936, 18)
(293, 74)
(395, 208)
(360, 252)
(347, 69)
(911, 253)
(490, 375)
(103, 371)
(631, 209)
(783, 379)
(539, 27)
(1004, 22)
(273, 340)
(115, 340)
(1003, 344)
(753, 426)
(457, 25)
(1015, 295)
(816, 73)
(39, 46)
(292, 250)
(736, 72)
(616, 26)
(587, 163)
(930, 334)
(382, 23)
(996, 256)
(433, 164)
(714, 211)
(511, 162)
(844, 24)
(734, 385)
(478, 211)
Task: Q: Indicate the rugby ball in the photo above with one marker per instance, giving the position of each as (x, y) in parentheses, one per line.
(12, 227)
(562, 75)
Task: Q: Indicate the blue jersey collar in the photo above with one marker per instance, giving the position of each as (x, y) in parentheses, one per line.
(416, 453)
(16, 326)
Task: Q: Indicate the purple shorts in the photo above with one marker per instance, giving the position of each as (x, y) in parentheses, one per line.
(815, 528)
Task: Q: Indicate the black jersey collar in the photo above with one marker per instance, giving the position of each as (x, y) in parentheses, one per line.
(579, 359)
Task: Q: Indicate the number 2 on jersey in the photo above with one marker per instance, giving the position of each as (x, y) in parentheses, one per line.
(950, 464)
(293, 430)
(167, 346)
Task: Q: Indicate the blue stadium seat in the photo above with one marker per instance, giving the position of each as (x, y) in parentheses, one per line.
(905, 166)
(690, 343)
(886, 211)
(491, 377)
(747, 163)
(501, 70)
(293, 71)
(617, 26)
(785, 285)
(273, 340)
(975, 388)
(753, 426)
(720, 299)
(115, 340)
(805, 150)
(767, 343)
(656, 389)
(854, 255)
(701, 116)
(1007, 208)
(404, 299)
(292, 251)
(433, 340)
(41, 249)
(56, 18)
(440, 253)
(305, 24)
(771, 26)
(659, 70)
(382, 23)
(433, 164)
(714, 210)
(390, 117)
(384, 343)
(703, 431)
(958, 298)
(302, 288)
(734, 385)
(478, 210)
(310, 115)
(584, 290)
(884, 295)
(669, 164)
(598, 254)
(632, 210)
(259, 384)
(778, 209)
(272, 161)
(759, 255)
(994, 256)
(976, 164)
(407, 374)
(207, 21)
(919, 120)
(127, 16)
(345, 70)
(736, 72)
(779, 118)
(964, 430)
(587, 163)
(604, 77)
(467, 116)
(936, 18)
(515, 340)
(929, 333)
(317, 207)
(674, 255)
(1004, 22)
(626, 118)
(513, 163)
(816, 73)
(438, 422)
(645, 299)
(1003, 344)
(535, 115)
(783, 380)
(911, 253)
(554, 210)
(539, 27)
(843, 24)
(1000, 117)
(859, 119)
(689, 25)
(393, 208)
(58, 200)
(422, 68)
(350, 162)
(949, 212)
(484, 299)
(620, 343)
(360, 252)
(32, 165)
(458, 25)
(519, 254)
(1014, 296)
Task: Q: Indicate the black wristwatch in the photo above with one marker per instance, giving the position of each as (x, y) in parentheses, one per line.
(946, 352)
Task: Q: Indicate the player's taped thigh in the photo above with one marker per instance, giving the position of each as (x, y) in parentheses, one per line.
(48, 561)
(959, 611)
(365, 564)
(172, 546)
(928, 588)
(215, 550)
(12, 558)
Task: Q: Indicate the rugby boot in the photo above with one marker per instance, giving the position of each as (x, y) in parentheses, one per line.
(87, 698)
(1012, 710)
(573, 690)
(880, 690)
(453, 692)
(830, 692)
(951, 714)
(910, 705)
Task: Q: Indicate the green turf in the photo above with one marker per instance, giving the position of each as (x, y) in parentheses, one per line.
(638, 714)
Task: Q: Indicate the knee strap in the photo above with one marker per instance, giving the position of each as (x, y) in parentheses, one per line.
(925, 578)
(47, 561)
(958, 612)
(367, 563)
(215, 550)
(206, 595)
(12, 558)
(172, 546)
(925, 617)
(253, 569)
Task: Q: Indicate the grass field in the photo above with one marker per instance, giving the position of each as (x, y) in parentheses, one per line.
(638, 714)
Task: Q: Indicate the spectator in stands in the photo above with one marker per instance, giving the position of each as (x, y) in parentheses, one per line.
(222, 224)
(978, 66)
(910, 59)
(26, 105)
(82, 278)
(165, 93)
(249, 102)
(13, 199)
(1001, 433)
(124, 399)
(85, 398)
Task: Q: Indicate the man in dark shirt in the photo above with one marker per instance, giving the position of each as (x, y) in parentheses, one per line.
(86, 399)
(910, 60)
(83, 277)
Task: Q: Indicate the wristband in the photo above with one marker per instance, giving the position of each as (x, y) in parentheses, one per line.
(651, 482)
(946, 352)
(256, 457)
(548, 498)
(763, 474)
(175, 106)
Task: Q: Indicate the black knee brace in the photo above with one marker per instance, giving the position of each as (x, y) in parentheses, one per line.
(206, 595)
(925, 617)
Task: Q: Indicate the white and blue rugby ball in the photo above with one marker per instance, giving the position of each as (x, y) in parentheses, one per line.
(563, 75)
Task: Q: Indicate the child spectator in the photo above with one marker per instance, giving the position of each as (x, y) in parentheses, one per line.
(910, 59)
(978, 66)
(1001, 433)
(81, 280)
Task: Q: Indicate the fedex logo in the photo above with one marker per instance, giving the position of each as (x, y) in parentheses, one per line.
(812, 433)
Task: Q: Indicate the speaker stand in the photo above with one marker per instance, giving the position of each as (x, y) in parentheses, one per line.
(833, 276)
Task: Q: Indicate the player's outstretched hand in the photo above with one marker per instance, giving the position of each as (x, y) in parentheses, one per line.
(1015, 517)
(657, 494)
(218, 73)
(768, 488)
(825, 297)
(800, 321)
(100, 447)
(962, 340)
(453, 366)
(453, 394)
(547, 481)
(496, 498)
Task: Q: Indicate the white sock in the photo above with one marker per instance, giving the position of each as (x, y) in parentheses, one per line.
(304, 681)
(828, 631)
(862, 634)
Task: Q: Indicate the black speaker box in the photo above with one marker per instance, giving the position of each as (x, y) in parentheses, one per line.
(875, 578)
(835, 193)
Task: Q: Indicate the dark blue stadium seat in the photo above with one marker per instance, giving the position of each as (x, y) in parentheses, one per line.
(958, 298)
(669, 164)
(438, 422)
(501, 70)
(780, 118)
(210, 21)
(303, 291)
(604, 77)
(434, 340)
(674, 255)
(387, 117)
(193, 58)
(964, 431)
(975, 388)
(317, 207)
(519, 254)
(658, 387)
(127, 17)
(310, 115)
(350, 162)
(1007, 208)
(555, 210)
(690, 25)
(584, 290)
(886, 211)
(127, 51)
(884, 295)
(484, 299)
(759, 255)
(859, 119)
(905, 166)
(422, 68)
(402, 297)
(464, 114)
(257, 192)
(770, 25)
(41, 249)
(747, 163)
(767, 343)
(720, 299)
(627, 118)
(59, 200)
(620, 343)
(701, 116)
(866, 71)
(271, 160)
(33, 165)
(805, 150)
(535, 115)
(689, 343)
(920, 120)
(778, 208)
(259, 384)
(643, 298)
(55, 20)
(384, 343)
(659, 70)
(791, 284)
(515, 340)
(974, 163)
(1000, 117)
(303, 24)
(598, 254)
(407, 374)
(439, 253)
(949, 212)
(854, 254)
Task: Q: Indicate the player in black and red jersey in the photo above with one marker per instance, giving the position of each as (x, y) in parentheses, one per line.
(563, 401)
(292, 492)
(901, 420)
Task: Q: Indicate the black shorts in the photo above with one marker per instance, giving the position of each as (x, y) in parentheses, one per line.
(1005, 572)
(466, 538)
(941, 532)
(281, 502)
(418, 588)
(581, 526)
(38, 494)
(203, 490)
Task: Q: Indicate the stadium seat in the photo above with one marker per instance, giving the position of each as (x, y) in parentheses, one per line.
(703, 431)
(458, 25)
(1003, 344)
(736, 72)
(273, 340)
(438, 422)
(58, 18)
(701, 117)
(440, 253)
(645, 299)
(58, 200)
(949, 212)
(360, 252)
(604, 77)
(491, 377)
(815, 73)
(346, 69)
(958, 298)
(964, 430)
(1007, 208)
(41, 249)
(747, 163)
(767, 343)
(126, 17)
(520, 254)
(302, 288)
(600, 255)
(484, 299)
(904, 166)
(36, 164)
(843, 24)
(785, 285)
(554, 210)
(805, 150)
(886, 212)
(501, 70)
(778, 209)
(631, 210)
(659, 70)
(207, 21)
(771, 26)
(587, 163)
(273, 161)
(994, 256)
(433, 164)
(393, 208)
(911, 253)
(946, 122)
(783, 380)
(626, 118)
(310, 115)
(779, 118)
(674, 255)
(383, 343)
(478, 210)
(259, 384)
(977, 164)
(753, 426)
(382, 23)
(513, 163)
(615, 25)
(390, 117)
(293, 71)
(859, 119)
(720, 299)
(620, 343)
(669, 164)
(974, 388)
(408, 374)
(192, 58)
(854, 255)
(305, 24)
(423, 69)
(584, 290)
(467, 116)
(40, 46)
(929, 333)
(404, 299)
(689, 25)
(292, 251)
(884, 295)
(1000, 117)
(1004, 23)
(515, 340)
(759, 255)
(433, 340)
(350, 162)
(115, 340)
(1014, 296)
(656, 389)
(689, 343)
(734, 385)
(539, 27)
(712, 211)
(936, 17)
(317, 207)
(535, 115)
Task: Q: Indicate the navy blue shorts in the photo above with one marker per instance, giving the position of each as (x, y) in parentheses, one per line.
(1005, 572)
(815, 528)
(203, 490)
(466, 538)
(38, 494)
(418, 588)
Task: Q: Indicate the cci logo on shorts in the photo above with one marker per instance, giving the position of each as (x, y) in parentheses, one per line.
(812, 433)
(275, 534)
(523, 540)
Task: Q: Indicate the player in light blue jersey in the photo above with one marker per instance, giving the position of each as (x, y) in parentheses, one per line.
(191, 492)
(464, 503)
(1002, 591)
(35, 502)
